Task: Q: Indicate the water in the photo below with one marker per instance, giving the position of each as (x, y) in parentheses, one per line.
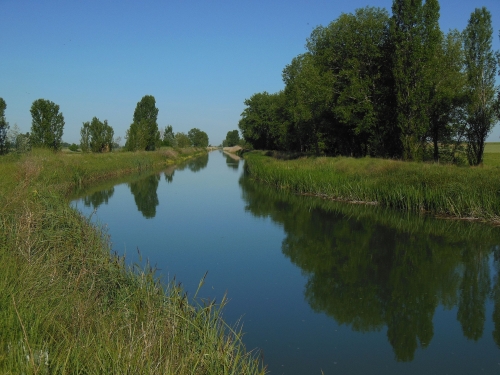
(317, 285)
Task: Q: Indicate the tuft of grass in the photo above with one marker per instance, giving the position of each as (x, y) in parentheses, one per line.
(68, 306)
(462, 192)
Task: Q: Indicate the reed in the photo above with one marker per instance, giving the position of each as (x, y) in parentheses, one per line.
(462, 192)
(69, 306)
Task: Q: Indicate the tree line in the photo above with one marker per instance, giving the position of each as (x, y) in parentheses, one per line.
(96, 136)
(384, 85)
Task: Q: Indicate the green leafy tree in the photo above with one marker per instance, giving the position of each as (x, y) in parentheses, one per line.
(345, 83)
(47, 124)
(4, 127)
(18, 141)
(415, 35)
(262, 123)
(182, 140)
(168, 138)
(480, 66)
(96, 136)
(232, 138)
(198, 138)
(447, 95)
(73, 147)
(307, 97)
(143, 133)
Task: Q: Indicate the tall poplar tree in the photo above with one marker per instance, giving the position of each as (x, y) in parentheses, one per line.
(4, 126)
(480, 66)
(143, 133)
(415, 34)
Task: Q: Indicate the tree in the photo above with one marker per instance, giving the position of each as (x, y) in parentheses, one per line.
(445, 110)
(480, 67)
(4, 126)
(345, 83)
(262, 123)
(47, 124)
(96, 136)
(143, 133)
(198, 138)
(182, 140)
(18, 141)
(232, 138)
(168, 137)
(415, 34)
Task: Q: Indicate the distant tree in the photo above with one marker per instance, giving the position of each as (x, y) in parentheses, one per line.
(47, 124)
(182, 140)
(143, 133)
(480, 67)
(232, 138)
(18, 141)
(73, 147)
(168, 137)
(23, 143)
(4, 126)
(96, 136)
(198, 138)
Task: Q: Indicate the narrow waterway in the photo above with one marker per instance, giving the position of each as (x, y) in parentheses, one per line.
(317, 285)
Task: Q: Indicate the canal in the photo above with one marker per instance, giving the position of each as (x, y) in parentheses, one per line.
(316, 285)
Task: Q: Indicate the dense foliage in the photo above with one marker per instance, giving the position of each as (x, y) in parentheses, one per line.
(198, 138)
(381, 85)
(96, 136)
(47, 124)
(232, 138)
(143, 133)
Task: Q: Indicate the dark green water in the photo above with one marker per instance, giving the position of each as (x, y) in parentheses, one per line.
(318, 285)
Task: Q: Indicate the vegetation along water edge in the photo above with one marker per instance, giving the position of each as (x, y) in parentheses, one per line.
(69, 306)
(439, 189)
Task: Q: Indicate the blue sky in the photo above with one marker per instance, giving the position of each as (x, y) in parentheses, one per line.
(199, 59)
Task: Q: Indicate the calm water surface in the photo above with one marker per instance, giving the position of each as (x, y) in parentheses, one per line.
(318, 285)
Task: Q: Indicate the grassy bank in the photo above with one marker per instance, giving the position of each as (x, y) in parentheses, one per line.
(461, 192)
(70, 307)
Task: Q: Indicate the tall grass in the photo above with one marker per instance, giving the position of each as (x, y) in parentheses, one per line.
(462, 192)
(68, 306)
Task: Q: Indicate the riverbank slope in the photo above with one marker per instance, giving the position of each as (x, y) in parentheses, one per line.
(447, 190)
(69, 306)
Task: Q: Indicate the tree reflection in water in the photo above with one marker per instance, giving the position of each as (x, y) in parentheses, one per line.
(169, 174)
(94, 200)
(194, 165)
(145, 196)
(368, 267)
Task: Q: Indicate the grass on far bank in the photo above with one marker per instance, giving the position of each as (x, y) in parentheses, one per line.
(68, 306)
(462, 192)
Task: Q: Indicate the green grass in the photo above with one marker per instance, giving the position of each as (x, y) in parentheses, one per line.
(70, 307)
(492, 147)
(462, 192)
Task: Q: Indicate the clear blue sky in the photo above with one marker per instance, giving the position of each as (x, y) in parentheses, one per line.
(199, 59)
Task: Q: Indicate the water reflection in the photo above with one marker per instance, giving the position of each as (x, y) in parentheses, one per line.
(169, 174)
(232, 161)
(371, 269)
(195, 165)
(94, 200)
(145, 196)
